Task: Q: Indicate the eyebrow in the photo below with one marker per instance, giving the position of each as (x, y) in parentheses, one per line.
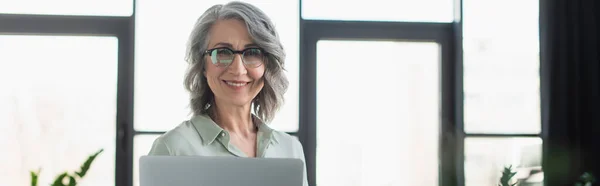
(231, 46)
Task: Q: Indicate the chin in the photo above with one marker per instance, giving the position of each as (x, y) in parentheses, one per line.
(240, 102)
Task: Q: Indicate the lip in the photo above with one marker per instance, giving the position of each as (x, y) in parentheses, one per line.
(235, 81)
(246, 83)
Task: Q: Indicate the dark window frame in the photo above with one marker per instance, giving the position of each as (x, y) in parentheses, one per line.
(120, 27)
(448, 35)
(460, 132)
(314, 30)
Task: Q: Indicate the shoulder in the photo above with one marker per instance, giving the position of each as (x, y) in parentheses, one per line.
(183, 131)
(173, 139)
(283, 137)
(294, 144)
(289, 141)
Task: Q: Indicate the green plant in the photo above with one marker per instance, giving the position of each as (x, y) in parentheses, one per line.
(587, 179)
(68, 179)
(507, 175)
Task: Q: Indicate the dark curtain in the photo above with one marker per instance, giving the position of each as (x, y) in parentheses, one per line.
(570, 89)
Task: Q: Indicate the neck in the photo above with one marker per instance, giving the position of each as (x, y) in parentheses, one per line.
(233, 118)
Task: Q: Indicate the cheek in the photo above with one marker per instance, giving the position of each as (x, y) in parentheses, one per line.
(212, 75)
(257, 74)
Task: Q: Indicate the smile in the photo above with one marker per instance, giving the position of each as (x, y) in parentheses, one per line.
(236, 83)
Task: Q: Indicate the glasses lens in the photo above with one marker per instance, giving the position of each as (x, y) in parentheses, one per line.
(253, 57)
(222, 57)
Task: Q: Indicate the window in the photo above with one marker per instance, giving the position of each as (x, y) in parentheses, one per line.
(485, 157)
(68, 7)
(143, 144)
(500, 78)
(501, 90)
(377, 116)
(379, 10)
(57, 107)
(501, 67)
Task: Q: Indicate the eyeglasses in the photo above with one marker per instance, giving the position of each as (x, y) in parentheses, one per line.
(223, 57)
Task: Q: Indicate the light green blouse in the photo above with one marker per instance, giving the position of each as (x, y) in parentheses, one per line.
(201, 136)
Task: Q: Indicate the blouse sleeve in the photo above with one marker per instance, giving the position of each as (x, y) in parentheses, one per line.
(159, 148)
(300, 154)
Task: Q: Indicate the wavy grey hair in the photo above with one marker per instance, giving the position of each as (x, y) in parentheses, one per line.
(263, 33)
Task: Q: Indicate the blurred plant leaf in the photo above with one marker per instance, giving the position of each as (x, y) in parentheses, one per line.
(59, 181)
(72, 181)
(34, 177)
(72, 178)
(587, 179)
(86, 166)
(507, 175)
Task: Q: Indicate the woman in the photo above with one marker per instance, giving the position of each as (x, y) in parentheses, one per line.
(236, 82)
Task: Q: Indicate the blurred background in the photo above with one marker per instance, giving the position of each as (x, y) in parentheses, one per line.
(441, 92)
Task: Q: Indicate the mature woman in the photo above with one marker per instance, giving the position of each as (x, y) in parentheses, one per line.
(236, 82)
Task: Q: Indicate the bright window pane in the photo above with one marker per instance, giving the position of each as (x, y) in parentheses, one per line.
(142, 146)
(378, 116)
(485, 159)
(379, 10)
(162, 30)
(57, 107)
(501, 66)
(68, 7)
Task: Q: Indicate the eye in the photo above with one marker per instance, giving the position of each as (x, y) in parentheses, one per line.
(222, 56)
(253, 52)
(223, 52)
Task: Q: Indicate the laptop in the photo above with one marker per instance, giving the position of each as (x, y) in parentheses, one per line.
(219, 171)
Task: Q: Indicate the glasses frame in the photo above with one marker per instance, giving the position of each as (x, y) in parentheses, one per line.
(241, 52)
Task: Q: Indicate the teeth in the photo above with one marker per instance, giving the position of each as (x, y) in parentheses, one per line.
(236, 84)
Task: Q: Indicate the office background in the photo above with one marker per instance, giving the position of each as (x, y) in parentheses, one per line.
(428, 92)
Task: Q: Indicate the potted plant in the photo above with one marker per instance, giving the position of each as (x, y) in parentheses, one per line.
(66, 178)
(587, 179)
(507, 175)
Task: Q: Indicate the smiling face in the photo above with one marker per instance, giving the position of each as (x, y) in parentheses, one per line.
(235, 84)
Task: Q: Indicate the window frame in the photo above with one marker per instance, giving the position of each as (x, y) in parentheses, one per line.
(448, 35)
(442, 33)
(460, 132)
(120, 27)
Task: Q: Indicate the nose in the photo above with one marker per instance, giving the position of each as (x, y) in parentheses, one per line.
(237, 66)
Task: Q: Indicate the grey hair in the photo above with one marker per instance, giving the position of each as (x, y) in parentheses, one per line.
(263, 33)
